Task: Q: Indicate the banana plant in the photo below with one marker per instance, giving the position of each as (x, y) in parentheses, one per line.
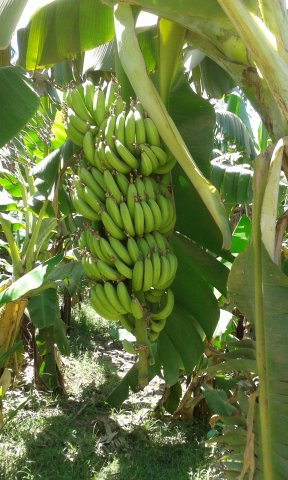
(248, 40)
(31, 199)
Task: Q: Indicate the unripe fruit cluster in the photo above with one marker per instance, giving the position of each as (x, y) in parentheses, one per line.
(123, 188)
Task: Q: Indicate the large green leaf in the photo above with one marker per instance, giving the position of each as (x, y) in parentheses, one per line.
(43, 308)
(30, 281)
(274, 327)
(10, 13)
(186, 336)
(206, 265)
(63, 29)
(195, 119)
(235, 130)
(46, 172)
(193, 218)
(18, 102)
(233, 182)
(215, 80)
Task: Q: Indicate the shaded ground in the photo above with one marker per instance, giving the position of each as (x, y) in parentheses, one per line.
(77, 437)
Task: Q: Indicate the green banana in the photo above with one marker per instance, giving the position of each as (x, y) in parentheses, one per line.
(77, 121)
(109, 131)
(101, 130)
(119, 105)
(107, 250)
(95, 248)
(127, 321)
(156, 263)
(140, 132)
(100, 149)
(165, 273)
(120, 127)
(89, 147)
(146, 167)
(115, 162)
(123, 268)
(111, 227)
(107, 270)
(75, 102)
(152, 132)
(113, 299)
(122, 182)
(131, 198)
(139, 220)
(112, 186)
(172, 259)
(153, 336)
(78, 185)
(143, 247)
(169, 225)
(151, 242)
(161, 242)
(89, 92)
(124, 296)
(152, 157)
(149, 188)
(120, 250)
(90, 268)
(156, 212)
(126, 155)
(133, 249)
(127, 220)
(158, 326)
(100, 292)
(87, 178)
(167, 309)
(114, 211)
(148, 275)
(84, 209)
(99, 110)
(136, 308)
(130, 130)
(137, 276)
(140, 186)
(111, 94)
(74, 134)
(149, 224)
(92, 200)
(163, 169)
(161, 155)
(164, 207)
(98, 306)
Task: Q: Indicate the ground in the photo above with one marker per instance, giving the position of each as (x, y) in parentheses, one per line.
(77, 436)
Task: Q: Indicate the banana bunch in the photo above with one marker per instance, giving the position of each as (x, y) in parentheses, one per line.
(122, 187)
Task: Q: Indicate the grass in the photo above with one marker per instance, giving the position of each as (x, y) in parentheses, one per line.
(76, 437)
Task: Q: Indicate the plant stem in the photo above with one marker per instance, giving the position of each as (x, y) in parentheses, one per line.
(142, 347)
(260, 178)
(29, 257)
(274, 14)
(14, 252)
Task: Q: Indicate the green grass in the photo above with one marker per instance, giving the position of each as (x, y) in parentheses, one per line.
(76, 437)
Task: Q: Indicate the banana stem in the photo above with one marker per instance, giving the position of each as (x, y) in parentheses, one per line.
(134, 66)
(32, 242)
(14, 252)
(260, 179)
(142, 347)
